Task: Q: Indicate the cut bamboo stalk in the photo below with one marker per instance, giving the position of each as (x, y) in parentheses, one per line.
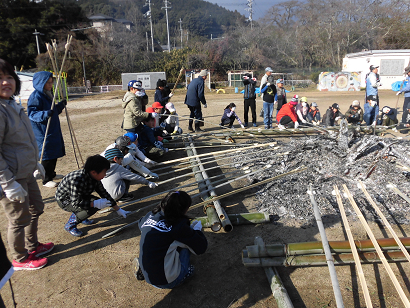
(397, 191)
(386, 223)
(278, 289)
(330, 263)
(377, 247)
(356, 258)
(239, 219)
(320, 260)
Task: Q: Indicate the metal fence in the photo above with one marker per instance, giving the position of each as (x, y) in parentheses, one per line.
(94, 89)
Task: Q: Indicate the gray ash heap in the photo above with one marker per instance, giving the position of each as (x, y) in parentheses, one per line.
(342, 158)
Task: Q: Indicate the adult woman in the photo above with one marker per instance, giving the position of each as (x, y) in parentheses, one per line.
(22, 200)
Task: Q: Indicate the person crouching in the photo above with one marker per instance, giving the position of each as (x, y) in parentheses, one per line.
(286, 117)
(229, 116)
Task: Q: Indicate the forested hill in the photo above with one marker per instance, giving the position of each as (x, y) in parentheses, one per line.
(198, 17)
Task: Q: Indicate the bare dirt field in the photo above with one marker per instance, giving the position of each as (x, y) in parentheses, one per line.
(94, 272)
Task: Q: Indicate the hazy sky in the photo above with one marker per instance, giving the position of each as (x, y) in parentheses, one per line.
(259, 6)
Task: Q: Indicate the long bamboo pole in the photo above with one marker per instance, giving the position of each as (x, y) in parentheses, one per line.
(377, 247)
(354, 250)
(330, 263)
(238, 219)
(386, 223)
(181, 71)
(397, 191)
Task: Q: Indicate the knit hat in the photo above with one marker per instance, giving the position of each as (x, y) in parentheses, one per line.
(157, 105)
(356, 103)
(314, 104)
(149, 110)
(132, 136)
(203, 73)
(122, 142)
(170, 107)
(269, 69)
(335, 106)
(160, 83)
(114, 152)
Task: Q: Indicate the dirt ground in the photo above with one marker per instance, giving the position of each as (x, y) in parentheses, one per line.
(94, 272)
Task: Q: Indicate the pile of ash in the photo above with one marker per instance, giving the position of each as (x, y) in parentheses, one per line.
(341, 159)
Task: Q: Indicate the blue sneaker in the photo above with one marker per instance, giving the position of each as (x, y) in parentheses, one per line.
(73, 230)
(254, 125)
(245, 124)
(87, 222)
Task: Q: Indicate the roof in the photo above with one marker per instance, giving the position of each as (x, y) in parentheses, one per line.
(395, 52)
(124, 21)
(100, 17)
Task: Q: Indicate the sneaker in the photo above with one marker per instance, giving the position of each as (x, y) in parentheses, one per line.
(30, 264)
(254, 125)
(87, 222)
(245, 124)
(126, 198)
(137, 270)
(73, 230)
(50, 184)
(266, 127)
(58, 177)
(281, 127)
(42, 249)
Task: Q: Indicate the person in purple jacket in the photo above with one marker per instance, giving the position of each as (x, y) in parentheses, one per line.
(167, 241)
(229, 116)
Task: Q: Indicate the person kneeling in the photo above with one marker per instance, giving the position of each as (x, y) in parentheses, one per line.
(286, 116)
(167, 241)
(229, 116)
(355, 114)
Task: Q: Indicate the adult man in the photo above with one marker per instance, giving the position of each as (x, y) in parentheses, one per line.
(264, 80)
(249, 98)
(194, 97)
(280, 95)
(406, 90)
(372, 83)
(268, 91)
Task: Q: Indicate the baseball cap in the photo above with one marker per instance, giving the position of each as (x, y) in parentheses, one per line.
(314, 104)
(157, 105)
(136, 84)
(149, 110)
(269, 69)
(279, 81)
(132, 136)
(335, 106)
(372, 67)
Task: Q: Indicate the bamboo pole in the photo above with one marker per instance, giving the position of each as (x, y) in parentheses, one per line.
(239, 219)
(377, 247)
(354, 250)
(386, 223)
(397, 191)
(181, 71)
(278, 290)
(330, 263)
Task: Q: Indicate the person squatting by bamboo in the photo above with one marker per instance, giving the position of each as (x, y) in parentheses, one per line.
(229, 116)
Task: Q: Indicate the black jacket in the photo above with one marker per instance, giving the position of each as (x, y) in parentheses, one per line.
(329, 118)
(249, 91)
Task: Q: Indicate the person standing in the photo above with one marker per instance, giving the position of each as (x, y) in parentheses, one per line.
(269, 93)
(373, 83)
(161, 94)
(249, 98)
(21, 197)
(194, 97)
(134, 103)
(406, 91)
(39, 112)
(280, 95)
(264, 80)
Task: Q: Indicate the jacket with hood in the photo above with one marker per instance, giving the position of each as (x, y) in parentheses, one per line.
(38, 107)
(195, 93)
(388, 119)
(287, 110)
(18, 154)
(281, 98)
(355, 115)
(133, 110)
(249, 91)
(330, 117)
(161, 97)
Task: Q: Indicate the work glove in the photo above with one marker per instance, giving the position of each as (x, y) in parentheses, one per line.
(63, 102)
(303, 121)
(122, 213)
(149, 161)
(275, 102)
(380, 113)
(372, 103)
(374, 123)
(174, 132)
(242, 126)
(40, 171)
(296, 124)
(337, 119)
(196, 225)
(154, 114)
(50, 113)
(398, 93)
(205, 105)
(154, 175)
(315, 123)
(268, 84)
(171, 95)
(101, 203)
(254, 79)
(245, 77)
(152, 185)
(15, 192)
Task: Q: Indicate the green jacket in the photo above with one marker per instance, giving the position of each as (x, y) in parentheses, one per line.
(133, 113)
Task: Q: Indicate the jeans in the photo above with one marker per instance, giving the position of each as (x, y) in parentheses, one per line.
(267, 114)
(406, 103)
(184, 256)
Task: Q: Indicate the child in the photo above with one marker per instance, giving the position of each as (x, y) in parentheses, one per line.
(229, 116)
(302, 110)
(287, 115)
(74, 194)
(136, 153)
(167, 241)
(355, 114)
(280, 98)
(314, 114)
(161, 94)
(118, 179)
(157, 113)
(172, 120)
(371, 110)
(134, 103)
(249, 98)
(388, 116)
(147, 143)
(19, 192)
(332, 115)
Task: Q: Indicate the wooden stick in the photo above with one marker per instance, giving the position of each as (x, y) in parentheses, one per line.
(354, 249)
(397, 191)
(176, 83)
(387, 224)
(378, 249)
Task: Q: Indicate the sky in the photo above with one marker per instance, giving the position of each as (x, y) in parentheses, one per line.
(259, 6)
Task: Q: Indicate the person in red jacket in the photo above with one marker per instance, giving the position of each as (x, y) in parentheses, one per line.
(286, 116)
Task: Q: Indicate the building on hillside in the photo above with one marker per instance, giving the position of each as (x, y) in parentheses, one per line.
(391, 65)
(103, 23)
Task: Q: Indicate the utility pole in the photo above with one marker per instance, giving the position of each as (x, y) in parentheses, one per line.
(166, 7)
(250, 10)
(37, 34)
(180, 29)
(149, 15)
(146, 35)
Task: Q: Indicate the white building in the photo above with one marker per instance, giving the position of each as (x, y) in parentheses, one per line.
(391, 64)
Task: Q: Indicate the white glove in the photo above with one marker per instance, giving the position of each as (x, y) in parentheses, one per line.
(315, 123)
(245, 77)
(101, 203)
(122, 213)
(154, 114)
(268, 84)
(196, 225)
(398, 93)
(242, 126)
(149, 161)
(372, 103)
(275, 102)
(374, 123)
(154, 175)
(337, 119)
(15, 192)
(296, 124)
(40, 171)
(171, 95)
(205, 105)
(152, 185)
(303, 121)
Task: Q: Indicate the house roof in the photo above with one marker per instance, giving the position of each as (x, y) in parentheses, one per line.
(124, 21)
(100, 17)
(394, 52)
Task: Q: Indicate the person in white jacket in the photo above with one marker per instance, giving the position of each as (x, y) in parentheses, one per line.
(172, 121)
(118, 179)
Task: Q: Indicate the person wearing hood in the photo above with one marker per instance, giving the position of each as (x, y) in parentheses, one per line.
(388, 116)
(355, 114)
(332, 115)
(161, 94)
(134, 103)
(286, 116)
(193, 99)
(39, 112)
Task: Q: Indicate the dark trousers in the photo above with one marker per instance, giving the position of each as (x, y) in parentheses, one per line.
(196, 113)
(229, 120)
(406, 104)
(286, 121)
(80, 213)
(250, 102)
(50, 167)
